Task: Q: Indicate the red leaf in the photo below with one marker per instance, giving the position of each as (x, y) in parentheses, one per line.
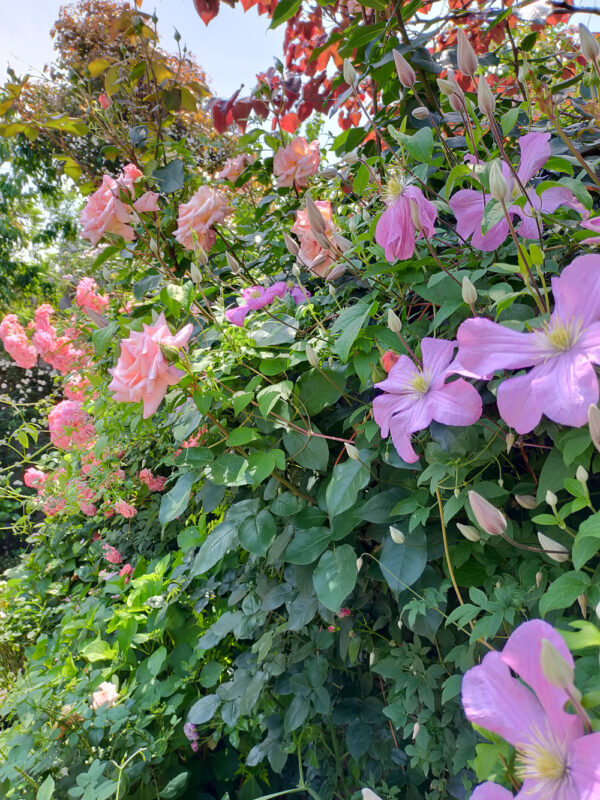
(207, 9)
(290, 123)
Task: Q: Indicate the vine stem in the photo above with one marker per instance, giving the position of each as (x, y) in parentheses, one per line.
(446, 549)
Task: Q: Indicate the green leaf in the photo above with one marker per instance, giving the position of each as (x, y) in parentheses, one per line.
(98, 650)
(348, 325)
(307, 545)
(242, 436)
(170, 178)
(156, 661)
(257, 533)
(211, 672)
(318, 389)
(419, 145)
(492, 214)
(296, 713)
(204, 709)
(103, 337)
(46, 789)
(335, 576)
(98, 66)
(268, 396)
(272, 332)
(175, 786)
(176, 500)
(361, 179)
(509, 120)
(261, 464)
(284, 10)
(229, 469)
(587, 541)
(221, 539)
(564, 591)
(403, 564)
(310, 452)
(346, 481)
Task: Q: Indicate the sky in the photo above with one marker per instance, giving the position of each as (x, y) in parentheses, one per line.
(232, 48)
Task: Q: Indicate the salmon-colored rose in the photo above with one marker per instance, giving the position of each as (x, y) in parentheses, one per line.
(196, 218)
(234, 167)
(104, 101)
(142, 372)
(105, 695)
(293, 164)
(317, 258)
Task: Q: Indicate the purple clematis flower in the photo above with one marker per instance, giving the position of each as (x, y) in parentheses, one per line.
(594, 226)
(414, 397)
(563, 383)
(395, 230)
(257, 297)
(468, 205)
(556, 759)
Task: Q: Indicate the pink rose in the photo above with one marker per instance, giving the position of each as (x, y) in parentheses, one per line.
(75, 387)
(35, 478)
(105, 695)
(69, 425)
(234, 167)
(105, 212)
(125, 509)
(111, 554)
(142, 372)
(86, 296)
(154, 483)
(16, 343)
(293, 164)
(318, 260)
(205, 208)
(104, 101)
(147, 202)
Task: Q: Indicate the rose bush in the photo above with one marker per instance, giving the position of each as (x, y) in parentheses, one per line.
(302, 487)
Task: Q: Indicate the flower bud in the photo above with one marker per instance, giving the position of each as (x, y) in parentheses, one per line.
(232, 262)
(397, 536)
(388, 359)
(369, 794)
(406, 74)
(469, 292)
(291, 244)
(371, 658)
(393, 321)
(485, 98)
(526, 501)
(551, 499)
(350, 158)
(195, 274)
(469, 532)
(359, 564)
(343, 244)
(296, 271)
(594, 425)
(349, 72)
(498, 185)
(488, 516)
(311, 356)
(445, 86)
(315, 218)
(589, 44)
(352, 451)
(465, 55)
(510, 440)
(420, 112)
(582, 601)
(202, 255)
(554, 550)
(538, 579)
(456, 104)
(415, 215)
(328, 172)
(556, 669)
(415, 730)
(582, 475)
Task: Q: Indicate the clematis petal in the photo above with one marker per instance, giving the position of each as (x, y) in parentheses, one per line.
(535, 151)
(400, 376)
(386, 405)
(528, 228)
(402, 425)
(519, 404)
(555, 197)
(485, 346)
(467, 206)
(491, 791)
(589, 342)
(577, 290)
(237, 315)
(496, 701)
(456, 403)
(584, 766)
(523, 654)
(437, 355)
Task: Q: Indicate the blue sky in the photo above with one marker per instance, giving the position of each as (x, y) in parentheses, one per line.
(232, 48)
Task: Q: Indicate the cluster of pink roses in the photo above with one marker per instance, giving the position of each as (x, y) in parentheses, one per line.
(257, 297)
(69, 425)
(205, 208)
(295, 163)
(107, 209)
(15, 341)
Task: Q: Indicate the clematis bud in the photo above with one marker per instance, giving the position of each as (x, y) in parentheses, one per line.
(415, 731)
(488, 516)
(369, 794)
(393, 321)
(232, 262)
(311, 356)
(420, 112)
(551, 499)
(202, 255)
(465, 55)
(556, 669)
(582, 601)
(388, 359)
(498, 185)
(582, 475)
(352, 452)
(350, 158)
(291, 245)
(538, 579)
(195, 275)
(397, 536)
(406, 74)
(371, 658)
(469, 532)
(554, 550)
(359, 564)
(456, 104)
(510, 440)
(315, 218)
(445, 86)
(469, 292)
(485, 98)
(328, 172)
(343, 244)
(589, 44)
(594, 425)
(526, 501)
(349, 72)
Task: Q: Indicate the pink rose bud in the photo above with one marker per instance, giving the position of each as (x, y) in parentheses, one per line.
(488, 516)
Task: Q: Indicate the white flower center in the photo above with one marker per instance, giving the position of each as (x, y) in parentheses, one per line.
(559, 336)
(544, 759)
(420, 383)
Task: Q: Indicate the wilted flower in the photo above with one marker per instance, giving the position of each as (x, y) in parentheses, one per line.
(396, 228)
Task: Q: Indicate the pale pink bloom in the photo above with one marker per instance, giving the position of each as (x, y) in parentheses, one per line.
(234, 167)
(105, 695)
(204, 209)
(154, 483)
(563, 383)
(105, 212)
(69, 425)
(395, 230)
(555, 758)
(237, 314)
(58, 351)
(194, 441)
(35, 478)
(468, 205)
(104, 101)
(111, 554)
(16, 343)
(125, 509)
(293, 164)
(128, 177)
(490, 519)
(147, 202)
(54, 505)
(86, 296)
(125, 571)
(413, 397)
(142, 372)
(316, 258)
(75, 387)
